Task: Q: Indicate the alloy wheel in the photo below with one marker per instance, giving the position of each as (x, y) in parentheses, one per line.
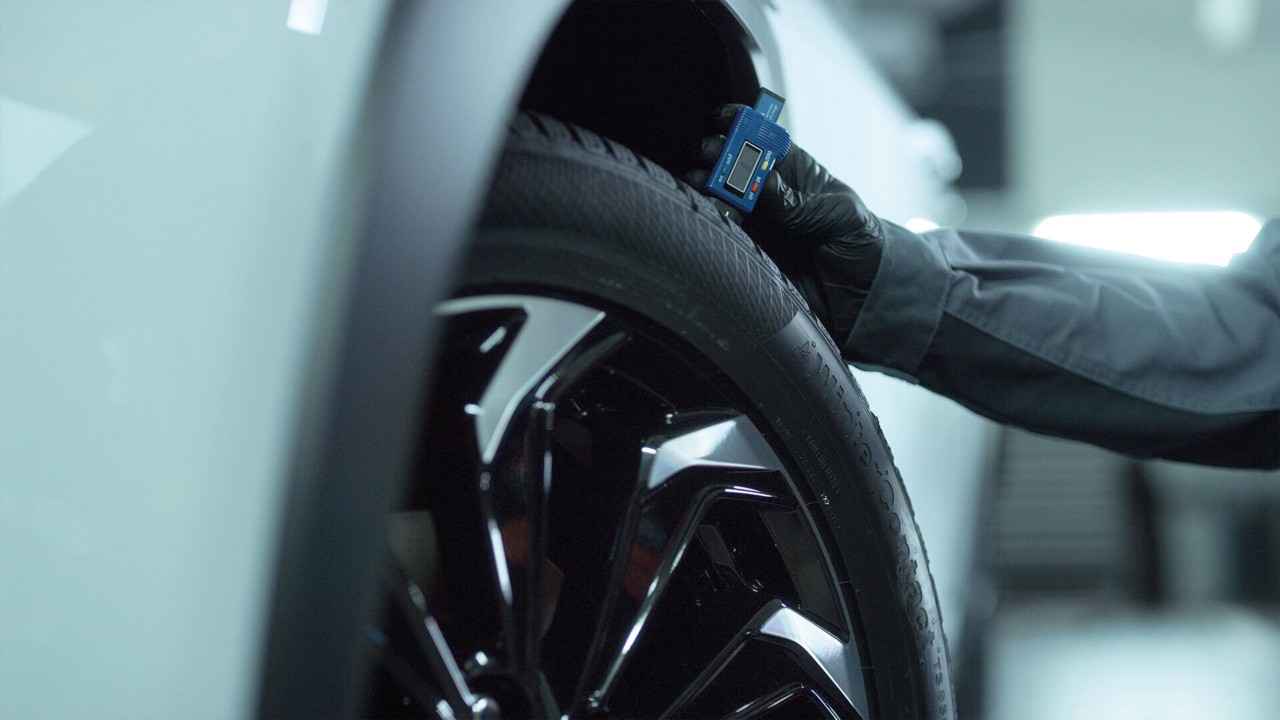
(601, 528)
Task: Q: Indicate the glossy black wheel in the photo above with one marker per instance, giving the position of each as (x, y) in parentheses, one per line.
(648, 485)
(601, 530)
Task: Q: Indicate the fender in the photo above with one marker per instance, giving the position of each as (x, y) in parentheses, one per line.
(450, 76)
(444, 89)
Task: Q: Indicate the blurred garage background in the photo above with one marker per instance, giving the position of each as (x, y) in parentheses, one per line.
(1103, 587)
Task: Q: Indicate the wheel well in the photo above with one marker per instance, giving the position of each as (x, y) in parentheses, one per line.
(647, 74)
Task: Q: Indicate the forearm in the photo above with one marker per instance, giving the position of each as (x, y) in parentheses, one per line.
(1150, 359)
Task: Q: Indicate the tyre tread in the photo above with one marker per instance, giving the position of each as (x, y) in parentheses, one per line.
(568, 148)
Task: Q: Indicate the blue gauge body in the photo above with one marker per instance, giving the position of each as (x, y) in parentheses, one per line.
(754, 144)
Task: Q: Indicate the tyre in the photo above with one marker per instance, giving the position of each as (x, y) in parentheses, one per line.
(649, 486)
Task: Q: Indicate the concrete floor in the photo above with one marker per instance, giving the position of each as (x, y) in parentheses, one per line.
(1061, 660)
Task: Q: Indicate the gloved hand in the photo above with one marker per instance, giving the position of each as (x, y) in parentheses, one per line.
(813, 226)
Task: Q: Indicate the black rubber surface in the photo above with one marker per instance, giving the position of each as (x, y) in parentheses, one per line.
(576, 215)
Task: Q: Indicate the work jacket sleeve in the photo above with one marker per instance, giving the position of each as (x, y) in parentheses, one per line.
(1148, 358)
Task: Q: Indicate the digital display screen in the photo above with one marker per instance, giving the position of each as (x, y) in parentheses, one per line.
(744, 168)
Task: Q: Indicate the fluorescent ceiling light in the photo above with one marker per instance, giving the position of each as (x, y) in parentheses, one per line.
(1209, 238)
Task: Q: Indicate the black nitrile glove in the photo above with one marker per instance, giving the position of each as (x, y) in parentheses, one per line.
(813, 226)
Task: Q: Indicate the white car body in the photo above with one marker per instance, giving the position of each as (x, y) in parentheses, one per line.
(186, 196)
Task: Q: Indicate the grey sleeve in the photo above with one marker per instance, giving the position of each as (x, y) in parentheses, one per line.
(1148, 358)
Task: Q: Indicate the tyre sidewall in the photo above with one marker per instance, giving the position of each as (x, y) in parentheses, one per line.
(575, 215)
(803, 391)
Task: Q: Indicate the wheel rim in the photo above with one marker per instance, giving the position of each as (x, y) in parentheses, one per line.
(599, 529)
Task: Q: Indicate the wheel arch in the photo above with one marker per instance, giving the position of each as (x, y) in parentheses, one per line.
(455, 73)
(649, 74)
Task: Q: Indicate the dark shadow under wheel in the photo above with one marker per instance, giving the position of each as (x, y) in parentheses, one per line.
(649, 486)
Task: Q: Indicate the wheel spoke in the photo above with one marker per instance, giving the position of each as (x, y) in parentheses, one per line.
(834, 664)
(729, 648)
(595, 522)
(552, 330)
(795, 700)
(512, 418)
(709, 459)
(829, 666)
(425, 644)
(762, 706)
(542, 584)
(713, 440)
(513, 497)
